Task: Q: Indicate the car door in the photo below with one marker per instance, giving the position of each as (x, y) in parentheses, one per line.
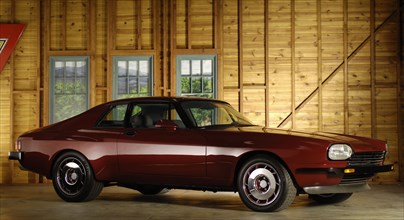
(152, 154)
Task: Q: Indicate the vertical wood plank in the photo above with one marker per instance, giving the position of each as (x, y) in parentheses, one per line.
(111, 44)
(12, 73)
(39, 179)
(240, 56)
(139, 24)
(173, 47)
(165, 47)
(319, 67)
(189, 24)
(92, 38)
(293, 64)
(218, 43)
(266, 71)
(64, 20)
(400, 72)
(45, 59)
(345, 81)
(373, 68)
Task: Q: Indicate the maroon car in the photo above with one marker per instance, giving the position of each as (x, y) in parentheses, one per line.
(150, 144)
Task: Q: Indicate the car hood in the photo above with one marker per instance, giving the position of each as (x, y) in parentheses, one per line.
(283, 135)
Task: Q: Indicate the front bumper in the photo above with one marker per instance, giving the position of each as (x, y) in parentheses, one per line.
(15, 155)
(352, 178)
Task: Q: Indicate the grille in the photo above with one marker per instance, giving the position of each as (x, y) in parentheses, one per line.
(366, 159)
(355, 179)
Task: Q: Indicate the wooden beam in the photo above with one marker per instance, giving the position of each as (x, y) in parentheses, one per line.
(240, 55)
(293, 66)
(45, 61)
(173, 46)
(218, 44)
(38, 178)
(139, 24)
(266, 52)
(165, 48)
(12, 73)
(64, 20)
(189, 24)
(319, 67)
(400, 59)
(111, 44)
(92, 39)
(373, 68)
(345, 78)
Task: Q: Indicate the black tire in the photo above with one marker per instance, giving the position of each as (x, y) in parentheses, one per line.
(150, 190)
(73, 178)
(264, 185)
(330, 198)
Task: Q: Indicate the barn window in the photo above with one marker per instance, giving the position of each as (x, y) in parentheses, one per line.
(196, 76)
(69, 83)
(132, 76)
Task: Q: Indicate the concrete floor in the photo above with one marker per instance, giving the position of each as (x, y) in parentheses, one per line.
(41, 202)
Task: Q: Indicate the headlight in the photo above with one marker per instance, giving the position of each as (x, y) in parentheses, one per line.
(339, 152)
(387, 151)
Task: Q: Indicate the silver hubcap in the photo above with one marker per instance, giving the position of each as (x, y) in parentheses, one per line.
(71, 176)
(261, 184)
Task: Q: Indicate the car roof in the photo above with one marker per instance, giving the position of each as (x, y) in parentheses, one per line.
(162, 98)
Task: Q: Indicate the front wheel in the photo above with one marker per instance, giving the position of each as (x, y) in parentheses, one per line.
(73, 178)
(265, 185)
(330, 198)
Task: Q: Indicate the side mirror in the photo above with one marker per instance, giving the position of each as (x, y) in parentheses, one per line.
(167, 124)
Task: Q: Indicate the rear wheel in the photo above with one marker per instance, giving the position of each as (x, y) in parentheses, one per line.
(264, 185)
(73, 178)
(330, 198)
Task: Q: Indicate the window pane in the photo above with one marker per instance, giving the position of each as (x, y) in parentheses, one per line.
(132, 86)
(186, 85)
(122, 86)
(81, 69)
(121, 68)
(196, 85)
(196, 67)
(185, 66)
(70, 69)
(132, 68)
(66, 106)
(81, 85)
(143, 68)
(207, 67)
(58, 86)
(69, 86)
(207, 84)
(59, 69)
(144, 85)
(115, 118)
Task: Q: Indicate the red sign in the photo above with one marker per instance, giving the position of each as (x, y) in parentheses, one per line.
(9, 36)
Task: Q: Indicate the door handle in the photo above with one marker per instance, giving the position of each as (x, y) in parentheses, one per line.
(130, 133)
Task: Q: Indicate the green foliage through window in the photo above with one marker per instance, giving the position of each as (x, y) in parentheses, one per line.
(68, 87)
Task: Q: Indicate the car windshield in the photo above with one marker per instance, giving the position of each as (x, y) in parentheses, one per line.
(209, 113)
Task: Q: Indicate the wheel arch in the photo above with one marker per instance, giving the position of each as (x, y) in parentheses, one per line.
(59, 154)
(248, 155)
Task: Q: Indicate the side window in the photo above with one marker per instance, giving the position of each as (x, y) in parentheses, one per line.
(196, 76)
(69, 83)
(115, 118)
(146, 115)
(132, 76)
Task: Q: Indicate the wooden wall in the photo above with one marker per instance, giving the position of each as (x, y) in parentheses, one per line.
(329, 65)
